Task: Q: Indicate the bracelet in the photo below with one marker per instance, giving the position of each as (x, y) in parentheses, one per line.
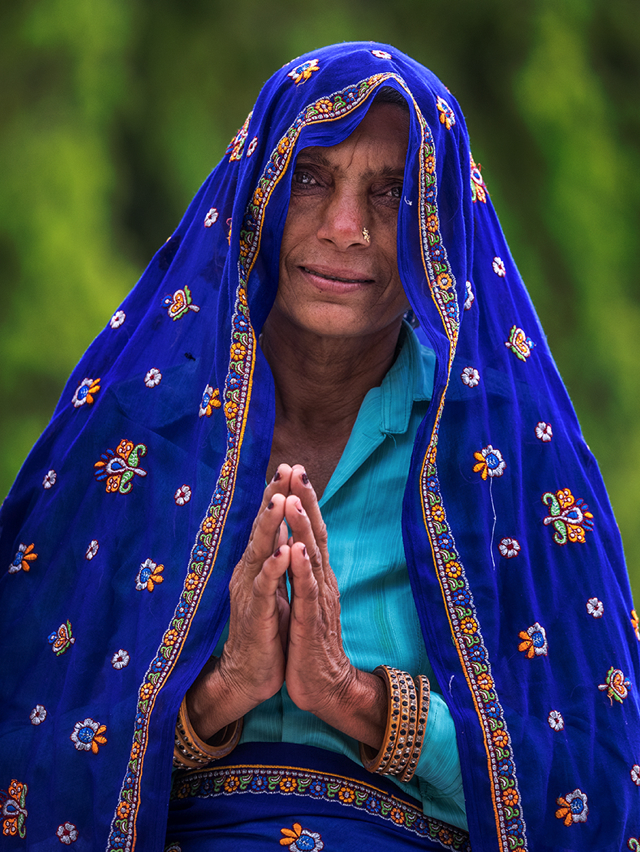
(190, 752)
(408, 710)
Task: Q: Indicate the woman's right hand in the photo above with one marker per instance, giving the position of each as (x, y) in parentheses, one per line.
(252, 665)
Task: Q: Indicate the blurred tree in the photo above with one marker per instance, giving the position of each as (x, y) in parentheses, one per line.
(114, 112)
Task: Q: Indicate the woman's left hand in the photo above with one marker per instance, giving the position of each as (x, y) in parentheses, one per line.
(319, 676)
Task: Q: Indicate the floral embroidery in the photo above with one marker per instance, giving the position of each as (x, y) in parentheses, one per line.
(49, 479)
(478, 187)
(235, 147)
(595, 607)
(12, 809)
(67, 833)
(447, 116)
(301, 73)
(616, 685)
(38, 714)
(635, 774)
(519, 343)
(117, 319)
(534, 641)
(635, 623)
(85, 392)
(490, 462)
(119, 467)
(573, 807)
(21, 561)
(61, 639)
(88, 735)
(381, 54)
(571, 518)
(153, 378)
(179, 304)
(252, 146)
(210, 400)
(211, 218)
(182, 495)
(299, 839)
(509, 547)
(634, 844)
(499, 267)
(470, 377)
(149, 574)
(470, 298)
(173, 847)
(120, 659)
(544, 432)
(349, 793)
(91, 550)
(555, 720)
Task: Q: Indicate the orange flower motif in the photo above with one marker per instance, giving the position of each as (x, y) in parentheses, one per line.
(230, 409)
(283, 145)
(430, 164)
(238, 351)
(288, 785)
(437, 513)
(635, 623)
(146, 692)
(468, 625)
(346, 795)
(324, 105)
(453, 569)
(500, 738)
(208, 526)
(170, 637)
(485, 681)
(444, 280)
(21, 561)
(510, 797)
(123, 810)
(231, 783)
(191, 581)
(397, 816)
(432, 224)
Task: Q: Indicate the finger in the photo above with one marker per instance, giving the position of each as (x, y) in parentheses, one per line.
(280, 484)
(273, 570)
(300, 525)
(304, 579)
(302, 488)
(260, 546)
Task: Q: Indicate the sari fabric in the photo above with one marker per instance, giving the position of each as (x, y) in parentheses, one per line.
(121, 532)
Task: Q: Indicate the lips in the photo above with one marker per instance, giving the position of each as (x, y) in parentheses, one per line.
(340, 276)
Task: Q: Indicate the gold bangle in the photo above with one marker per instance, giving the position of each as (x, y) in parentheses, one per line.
(191, 752)
(424, 699)
(393, 754)
(407, 726)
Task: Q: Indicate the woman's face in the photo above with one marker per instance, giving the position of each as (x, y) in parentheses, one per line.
(333, 281)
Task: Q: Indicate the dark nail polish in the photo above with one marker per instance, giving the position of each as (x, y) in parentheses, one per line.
(276, 476)
(270, 506)
(276, 552)
(305, 478)
(304, 550)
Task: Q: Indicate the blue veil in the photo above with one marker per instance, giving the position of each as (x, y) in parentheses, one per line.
(120, 534)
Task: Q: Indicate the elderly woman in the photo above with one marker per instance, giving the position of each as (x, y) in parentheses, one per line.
(476, 673)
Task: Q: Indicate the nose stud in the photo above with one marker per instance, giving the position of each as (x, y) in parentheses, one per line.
(366, 236)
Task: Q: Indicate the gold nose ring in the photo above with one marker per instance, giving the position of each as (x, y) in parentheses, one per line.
(366, 236)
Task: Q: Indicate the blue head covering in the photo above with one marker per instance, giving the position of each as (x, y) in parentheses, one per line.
(126, 520)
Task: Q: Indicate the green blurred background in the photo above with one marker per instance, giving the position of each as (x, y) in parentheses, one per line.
(112, 112)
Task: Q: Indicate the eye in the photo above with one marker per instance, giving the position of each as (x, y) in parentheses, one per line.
(395, 191)
(303, 178)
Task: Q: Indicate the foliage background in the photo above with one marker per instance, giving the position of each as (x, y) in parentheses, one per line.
(112, 112)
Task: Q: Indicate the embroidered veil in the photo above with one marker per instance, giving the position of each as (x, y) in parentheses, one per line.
(120, 534)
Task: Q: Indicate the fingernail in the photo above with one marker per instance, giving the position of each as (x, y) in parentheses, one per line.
(305, 478)
(276, 552)
(270, 506)
(304, 551)
(276, 476)
(299, 508)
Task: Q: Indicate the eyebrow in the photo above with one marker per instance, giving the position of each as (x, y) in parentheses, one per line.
(312, 158)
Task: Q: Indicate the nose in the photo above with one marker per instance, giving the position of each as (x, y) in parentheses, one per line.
(344, 219)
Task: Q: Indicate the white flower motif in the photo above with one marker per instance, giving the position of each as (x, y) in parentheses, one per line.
(489, 462)
(499, 267)
(67, 833)
(88, 735)
(470, 298)
(85, 392)
(544, 432)
(381, 54)
(120, 659)
(635, 774)
(534, 641)
(252, 146)
(595, 607)
(509, 547)
(182, 495)
(211, 218)
(50, 479)
(555, 720)
(153, 378)
(470, 376)
(92, 550)
(577, 801)
(204, 402)
(117, 319)
(38, 714)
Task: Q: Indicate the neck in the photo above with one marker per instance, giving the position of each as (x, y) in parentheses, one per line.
(321, 381)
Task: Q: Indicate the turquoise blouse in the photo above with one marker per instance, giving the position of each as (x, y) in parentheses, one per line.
(362, 508)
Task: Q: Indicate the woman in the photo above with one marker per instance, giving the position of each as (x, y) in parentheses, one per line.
(281, 294)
